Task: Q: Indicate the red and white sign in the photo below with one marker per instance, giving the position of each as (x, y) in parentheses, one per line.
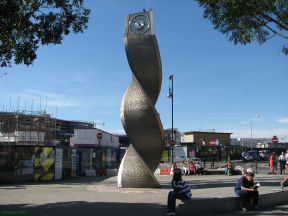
(99, 135)
(275, 140)
(213, 142)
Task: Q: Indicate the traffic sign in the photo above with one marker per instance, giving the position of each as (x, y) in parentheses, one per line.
(213, 142)
(99, 135)
(275, 140)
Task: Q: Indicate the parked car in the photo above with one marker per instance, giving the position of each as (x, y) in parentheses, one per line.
(250, 155)
(254, 154)
(246, 156)
(264, 154)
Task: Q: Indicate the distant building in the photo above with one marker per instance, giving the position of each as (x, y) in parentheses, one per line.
(124, 141)
(207, 138)
(258, 143)
(95, 149)
(168, 137)
(208, 145)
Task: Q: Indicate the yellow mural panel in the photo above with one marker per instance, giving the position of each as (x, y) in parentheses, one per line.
(36, 149)
(47, 151)
(46, 165)
(47, 177)
(37, 176)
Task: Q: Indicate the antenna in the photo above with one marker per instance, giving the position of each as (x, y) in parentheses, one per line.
(32, 106)
(10, 104)
(18, 103)
(40, 104)
(45, 105)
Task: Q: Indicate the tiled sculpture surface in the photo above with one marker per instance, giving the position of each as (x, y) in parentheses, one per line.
(139, 117)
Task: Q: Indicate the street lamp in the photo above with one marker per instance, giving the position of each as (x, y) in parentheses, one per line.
(171, 95)
(251, 129)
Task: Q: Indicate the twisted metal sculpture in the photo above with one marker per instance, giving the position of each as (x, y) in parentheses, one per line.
(139, 117)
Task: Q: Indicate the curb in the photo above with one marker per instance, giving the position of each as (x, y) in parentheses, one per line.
(228, 204)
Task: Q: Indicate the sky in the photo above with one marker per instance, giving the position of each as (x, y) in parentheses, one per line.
(217, 85)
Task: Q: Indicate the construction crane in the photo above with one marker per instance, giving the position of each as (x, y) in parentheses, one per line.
(98, 123)
(3, 75)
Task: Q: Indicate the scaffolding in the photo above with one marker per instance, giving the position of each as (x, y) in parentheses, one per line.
(37, 128)
(27, 128)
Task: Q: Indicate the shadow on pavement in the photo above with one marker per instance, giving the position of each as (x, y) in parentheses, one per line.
(83, 209)
(71, 181)
(275, 211)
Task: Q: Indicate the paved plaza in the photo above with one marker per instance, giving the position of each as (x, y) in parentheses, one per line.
(100, 196)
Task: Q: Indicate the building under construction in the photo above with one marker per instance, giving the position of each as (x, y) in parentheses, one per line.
(28, 128)
(29, 142)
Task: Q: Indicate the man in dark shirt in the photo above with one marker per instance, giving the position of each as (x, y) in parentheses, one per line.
(181, 191)
(246, 190)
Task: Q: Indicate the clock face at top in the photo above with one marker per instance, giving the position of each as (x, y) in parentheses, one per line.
(139, 24)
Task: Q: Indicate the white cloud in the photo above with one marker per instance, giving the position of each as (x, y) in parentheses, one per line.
(283, 120)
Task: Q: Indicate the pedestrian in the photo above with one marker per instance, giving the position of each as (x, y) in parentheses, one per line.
(229, 168)
(286, 155)
(173, 167)
(286, 158)
(282, 162)
(284, 183)
(246, 190)
(272, 163)
(199, 168)
(180, 191)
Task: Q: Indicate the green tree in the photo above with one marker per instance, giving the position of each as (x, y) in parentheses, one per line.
(244, 21)
(26, 24)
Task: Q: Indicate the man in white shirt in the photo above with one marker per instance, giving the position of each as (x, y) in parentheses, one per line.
(282, 162)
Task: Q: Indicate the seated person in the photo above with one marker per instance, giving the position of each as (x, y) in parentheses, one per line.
(229, 168)
(199, 168)
(192, 168)
(284, 183)
(246, 190)
(226, 169)
(180, 191)
(184, 169)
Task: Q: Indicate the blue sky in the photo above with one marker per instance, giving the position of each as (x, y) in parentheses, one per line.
(217, 85)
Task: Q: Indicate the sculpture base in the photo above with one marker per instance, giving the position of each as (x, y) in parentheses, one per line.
(136, 173)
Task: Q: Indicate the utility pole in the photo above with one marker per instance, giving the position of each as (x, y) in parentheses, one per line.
(171, 95)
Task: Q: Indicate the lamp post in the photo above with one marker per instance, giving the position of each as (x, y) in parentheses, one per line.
(171, 95)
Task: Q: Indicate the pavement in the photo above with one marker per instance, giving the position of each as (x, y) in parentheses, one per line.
(87, 196)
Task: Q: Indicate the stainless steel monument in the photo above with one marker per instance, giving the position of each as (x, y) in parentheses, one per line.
(139, 117)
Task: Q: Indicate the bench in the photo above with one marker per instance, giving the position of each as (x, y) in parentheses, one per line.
(207, 205)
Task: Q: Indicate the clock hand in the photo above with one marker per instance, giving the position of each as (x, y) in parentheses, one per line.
(139, 25)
